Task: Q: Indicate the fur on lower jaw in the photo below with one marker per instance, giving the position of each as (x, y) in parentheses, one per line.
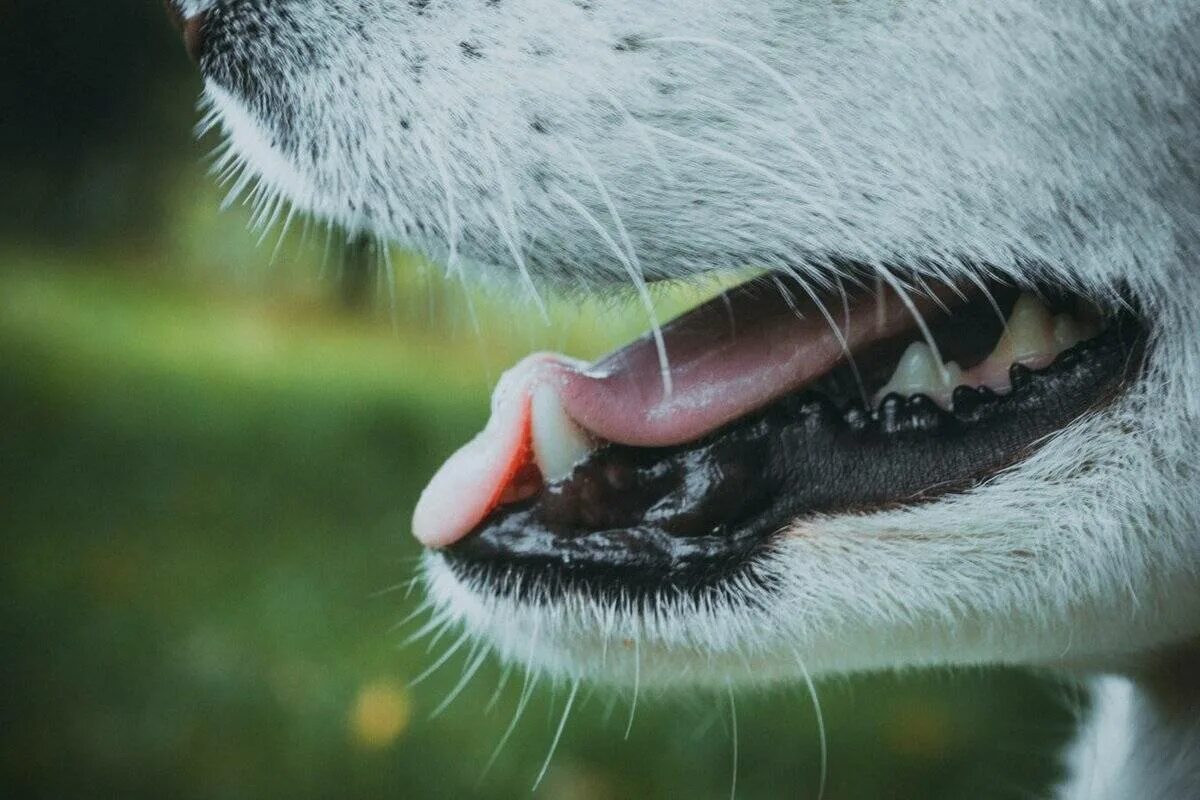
(674, 641)
(1142, 738)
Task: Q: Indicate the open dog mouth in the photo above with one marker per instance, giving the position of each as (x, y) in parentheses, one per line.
(631, 477)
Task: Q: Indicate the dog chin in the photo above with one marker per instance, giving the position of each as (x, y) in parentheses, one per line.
(248, 156)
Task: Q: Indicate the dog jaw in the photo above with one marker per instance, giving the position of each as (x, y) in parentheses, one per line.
(1082, 556)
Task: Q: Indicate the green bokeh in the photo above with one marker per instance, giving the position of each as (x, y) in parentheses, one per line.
(206, 473)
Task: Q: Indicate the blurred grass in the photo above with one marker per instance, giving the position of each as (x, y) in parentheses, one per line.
(205, 496)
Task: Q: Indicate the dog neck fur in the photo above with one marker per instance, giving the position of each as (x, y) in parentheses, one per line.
(1143, 739)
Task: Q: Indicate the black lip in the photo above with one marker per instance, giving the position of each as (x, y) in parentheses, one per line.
(631, 522)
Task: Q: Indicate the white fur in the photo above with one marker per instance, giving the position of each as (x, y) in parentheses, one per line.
(1135, 747)
(1059, 138)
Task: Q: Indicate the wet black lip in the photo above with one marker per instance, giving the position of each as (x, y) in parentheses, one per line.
(635, 522)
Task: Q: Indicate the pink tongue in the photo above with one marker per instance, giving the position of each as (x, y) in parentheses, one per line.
(474, 480)
(727, 357)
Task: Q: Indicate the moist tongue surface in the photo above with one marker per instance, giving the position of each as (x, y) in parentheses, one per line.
(727, 358)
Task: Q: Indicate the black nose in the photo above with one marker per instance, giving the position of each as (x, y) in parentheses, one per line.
(192, 29)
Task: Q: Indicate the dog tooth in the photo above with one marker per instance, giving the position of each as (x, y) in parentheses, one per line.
(918, 372)
(952, 377)
(1029, 337)
(558, 442)
(1067, 332)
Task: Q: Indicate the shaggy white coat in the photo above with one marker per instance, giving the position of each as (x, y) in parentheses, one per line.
(590, 142)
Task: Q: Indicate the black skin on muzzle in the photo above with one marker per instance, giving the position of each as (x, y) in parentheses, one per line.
(637, 520)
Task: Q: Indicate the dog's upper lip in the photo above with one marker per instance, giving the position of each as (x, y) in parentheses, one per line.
(727, 358)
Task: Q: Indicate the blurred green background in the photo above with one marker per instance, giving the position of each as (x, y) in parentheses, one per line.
(210, 446)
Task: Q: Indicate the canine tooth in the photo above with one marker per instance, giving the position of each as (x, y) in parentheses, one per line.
(1067, 332)
(558, 443)
(919, 372)
(1029, 338)
(952, 377)
(916, 371)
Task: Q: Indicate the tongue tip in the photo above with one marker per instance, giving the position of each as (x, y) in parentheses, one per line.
(433, 533)
(470, 484)
(449, 507)
(474, 481)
